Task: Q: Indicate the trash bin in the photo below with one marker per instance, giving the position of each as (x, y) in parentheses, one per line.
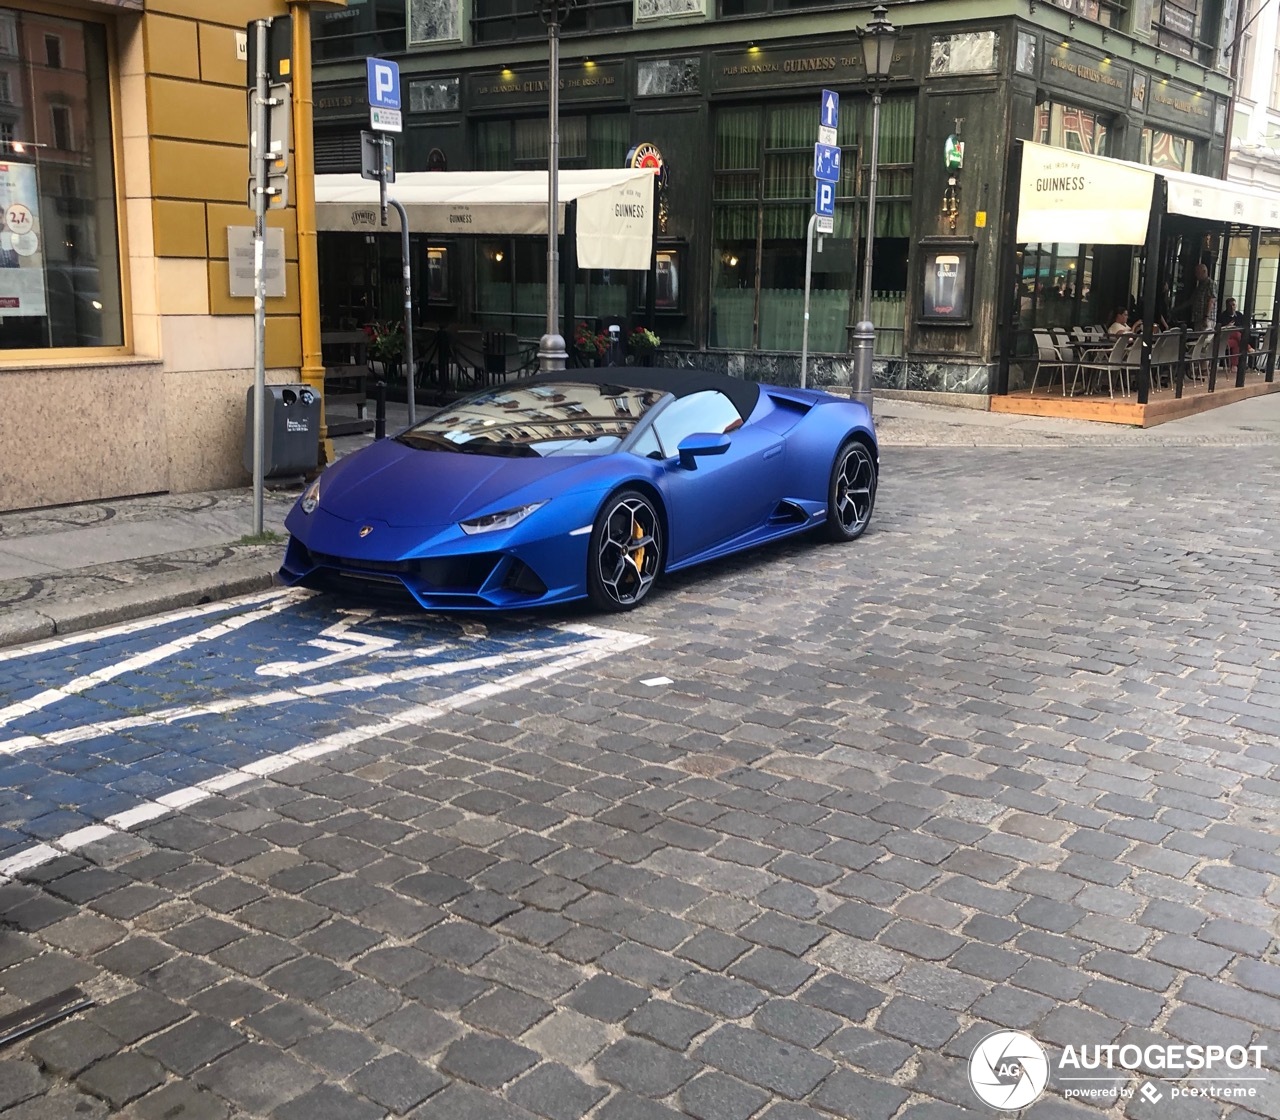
(291, 430)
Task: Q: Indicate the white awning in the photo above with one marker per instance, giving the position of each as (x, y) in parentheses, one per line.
(615, 207)
(1070, 196)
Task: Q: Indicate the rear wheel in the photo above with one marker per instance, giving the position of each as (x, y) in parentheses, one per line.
(851, 494)
(626, 552)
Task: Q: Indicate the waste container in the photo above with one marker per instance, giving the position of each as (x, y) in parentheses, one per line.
(291, 430)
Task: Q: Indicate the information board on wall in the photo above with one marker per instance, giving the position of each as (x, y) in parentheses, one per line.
(22, 280)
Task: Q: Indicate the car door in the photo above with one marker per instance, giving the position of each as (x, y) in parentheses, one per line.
(726, 495)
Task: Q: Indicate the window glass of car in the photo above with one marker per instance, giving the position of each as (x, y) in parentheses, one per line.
(543, 419)
(708, 411)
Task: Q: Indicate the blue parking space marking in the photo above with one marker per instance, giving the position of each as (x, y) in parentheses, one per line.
(101, 734)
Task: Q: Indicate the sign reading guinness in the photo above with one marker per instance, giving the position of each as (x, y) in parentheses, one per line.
(841, 61)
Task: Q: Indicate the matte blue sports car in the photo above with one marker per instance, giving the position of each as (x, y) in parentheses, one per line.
(584, 484)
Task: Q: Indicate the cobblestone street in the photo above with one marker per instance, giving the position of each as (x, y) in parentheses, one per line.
(1009, 761)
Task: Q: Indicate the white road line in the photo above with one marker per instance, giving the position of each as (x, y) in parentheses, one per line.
(141, 661)
(366, 682)
(606, 644)
(83, 637)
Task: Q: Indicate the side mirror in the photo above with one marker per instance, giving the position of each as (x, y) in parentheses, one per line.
(701, 443)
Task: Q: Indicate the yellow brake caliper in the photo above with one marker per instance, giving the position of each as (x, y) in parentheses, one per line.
(636, 556)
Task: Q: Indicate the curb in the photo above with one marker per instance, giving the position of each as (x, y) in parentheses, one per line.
(33, 624)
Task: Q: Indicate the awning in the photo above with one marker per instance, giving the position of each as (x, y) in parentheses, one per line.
(614, 207)
(1087, 199)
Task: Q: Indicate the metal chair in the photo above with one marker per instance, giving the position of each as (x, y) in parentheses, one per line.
(1115, 364)
(1049, 359)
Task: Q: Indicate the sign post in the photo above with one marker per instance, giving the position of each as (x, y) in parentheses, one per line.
(826, 170)
(379, 158)
(259, 151)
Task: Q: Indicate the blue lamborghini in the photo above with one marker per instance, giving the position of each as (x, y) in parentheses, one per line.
(584, 484)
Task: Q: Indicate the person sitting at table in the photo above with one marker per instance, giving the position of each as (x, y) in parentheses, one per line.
(1120, 323)
(1234, 320)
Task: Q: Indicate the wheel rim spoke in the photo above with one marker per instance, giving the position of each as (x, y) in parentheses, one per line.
(855, 487)
(630, 549)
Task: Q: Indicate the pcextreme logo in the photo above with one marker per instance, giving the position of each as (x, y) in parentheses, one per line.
(1008, 1070)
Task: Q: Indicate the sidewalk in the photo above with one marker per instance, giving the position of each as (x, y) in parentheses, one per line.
(76, 567)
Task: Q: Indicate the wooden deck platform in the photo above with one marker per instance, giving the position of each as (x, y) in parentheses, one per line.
(1162, 407)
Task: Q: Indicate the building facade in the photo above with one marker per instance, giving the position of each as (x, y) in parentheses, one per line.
(1255, 125)
(726, 92)
(124, 359)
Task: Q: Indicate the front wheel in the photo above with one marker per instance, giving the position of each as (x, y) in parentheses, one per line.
(626, 552)
(851, 493)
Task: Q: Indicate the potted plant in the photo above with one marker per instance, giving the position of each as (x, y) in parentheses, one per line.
(641, 343)
(590, 345)
(386, 344)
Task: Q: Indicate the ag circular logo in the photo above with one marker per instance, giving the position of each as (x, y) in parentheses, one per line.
(1008, 1070)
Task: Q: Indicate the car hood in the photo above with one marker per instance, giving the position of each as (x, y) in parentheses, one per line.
(399, 485)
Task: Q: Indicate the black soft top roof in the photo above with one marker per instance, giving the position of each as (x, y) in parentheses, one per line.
(678, 382)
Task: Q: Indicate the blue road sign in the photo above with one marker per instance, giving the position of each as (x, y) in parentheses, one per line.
(384, 84)
(826, 163)
(824, 202)
(829, 110)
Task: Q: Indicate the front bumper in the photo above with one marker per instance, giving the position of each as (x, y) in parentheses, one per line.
(447, 571)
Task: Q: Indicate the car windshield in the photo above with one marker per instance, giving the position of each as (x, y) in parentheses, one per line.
(546, 419)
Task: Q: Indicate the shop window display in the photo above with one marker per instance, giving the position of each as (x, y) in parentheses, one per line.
(59, 247)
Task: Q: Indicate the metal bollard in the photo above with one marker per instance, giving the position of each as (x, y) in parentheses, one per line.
(380, 411)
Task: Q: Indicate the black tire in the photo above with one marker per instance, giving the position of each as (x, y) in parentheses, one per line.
(625, 553)
(851, 492)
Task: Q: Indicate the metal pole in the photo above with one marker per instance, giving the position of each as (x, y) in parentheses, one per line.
(808, 276)
(304, 165)
(408, 307)
(551, 352)
(864, 332)
(259, 147)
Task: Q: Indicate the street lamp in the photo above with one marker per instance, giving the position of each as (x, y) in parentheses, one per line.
(551, 351)
(878, 38)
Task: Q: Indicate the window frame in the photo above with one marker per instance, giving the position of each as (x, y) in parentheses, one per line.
(43, 355)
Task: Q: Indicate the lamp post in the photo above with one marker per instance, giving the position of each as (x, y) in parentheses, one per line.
(878, 38)
(551, 350)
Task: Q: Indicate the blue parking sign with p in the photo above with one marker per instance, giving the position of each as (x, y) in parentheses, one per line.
(384, 84)
(824, 203)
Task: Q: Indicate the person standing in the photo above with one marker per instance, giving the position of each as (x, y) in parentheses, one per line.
(1204, 300)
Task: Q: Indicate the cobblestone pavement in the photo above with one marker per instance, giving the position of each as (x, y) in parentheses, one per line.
(1009, 761)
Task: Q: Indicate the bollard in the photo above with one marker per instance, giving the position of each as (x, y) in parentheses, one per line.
(380, 409)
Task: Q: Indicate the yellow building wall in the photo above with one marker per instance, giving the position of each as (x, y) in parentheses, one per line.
(167, 409)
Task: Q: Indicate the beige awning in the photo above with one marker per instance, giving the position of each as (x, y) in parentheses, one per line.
(615, 207)
(1070, 196)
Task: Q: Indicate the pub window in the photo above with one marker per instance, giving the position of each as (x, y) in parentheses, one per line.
(371, 27)
(53, 52)
(1072, 127)
(511, 274)
(494, 21)
(1167, 150)
(7, 137)
(1107, 12)
(762, 198)
(59, 264)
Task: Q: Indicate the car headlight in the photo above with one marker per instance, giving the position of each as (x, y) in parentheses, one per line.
(311, 497)
(504, 519)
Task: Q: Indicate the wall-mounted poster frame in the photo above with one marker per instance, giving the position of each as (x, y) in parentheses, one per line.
(946, 281)
(668, 297)
(439, 289)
